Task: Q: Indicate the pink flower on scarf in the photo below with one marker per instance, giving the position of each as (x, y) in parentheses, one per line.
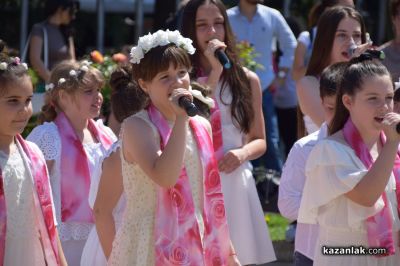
(218, 210)
(213, 256)
(213, 180)
(178, 255)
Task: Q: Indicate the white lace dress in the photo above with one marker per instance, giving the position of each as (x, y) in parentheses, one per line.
(93, 254)
(23, 246)
(134, 242)
(247, 226)
(73, 235)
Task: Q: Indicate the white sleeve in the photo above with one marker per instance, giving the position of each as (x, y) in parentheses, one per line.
(332, 170)
(48, 140)
(292, 182)
(304, 38)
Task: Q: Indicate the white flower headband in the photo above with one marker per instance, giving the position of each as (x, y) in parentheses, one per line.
(73, 74)
(159, 38)
(199, 96)
(16, 61)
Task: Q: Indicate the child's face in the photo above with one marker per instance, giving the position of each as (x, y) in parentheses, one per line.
(16, 107)
(369, 105)
(86, 102)
(329, 103)
(161, 86)
(209, 25)
(348, 29)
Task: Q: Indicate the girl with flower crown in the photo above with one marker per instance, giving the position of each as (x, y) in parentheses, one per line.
(28, 233)
(175, 210)
(73, 145)
(237, 125)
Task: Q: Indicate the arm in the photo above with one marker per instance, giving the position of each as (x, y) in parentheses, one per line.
(108, 195)
(63, 261)
(292, 182)
(309, 99)
(299, 69)
(71, 45)
(35, 53)
(255, 140)
(371, 186)
(233, 259)
(140, 146)
(286, 39)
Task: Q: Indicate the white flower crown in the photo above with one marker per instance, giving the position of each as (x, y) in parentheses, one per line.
(84, 67)
(159, 38)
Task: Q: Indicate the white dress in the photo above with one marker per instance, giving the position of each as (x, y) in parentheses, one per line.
(332, 170)
(23, 246)
(93, 254)
(73, 235)
(247, 226)
(134, 242)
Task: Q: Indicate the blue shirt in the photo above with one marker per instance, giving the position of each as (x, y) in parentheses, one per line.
(266, 24)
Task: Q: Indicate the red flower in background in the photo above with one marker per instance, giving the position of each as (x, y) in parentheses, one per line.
(97, 57)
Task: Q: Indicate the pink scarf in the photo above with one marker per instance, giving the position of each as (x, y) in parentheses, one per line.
(379, 226)
(38, 169)
(75, 174)
(177, 236)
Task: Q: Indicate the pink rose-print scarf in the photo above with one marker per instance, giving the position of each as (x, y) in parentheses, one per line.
(177, 236)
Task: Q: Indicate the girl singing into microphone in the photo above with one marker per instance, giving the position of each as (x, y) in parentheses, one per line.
(352, 188)
(237, 123)
(175, 211)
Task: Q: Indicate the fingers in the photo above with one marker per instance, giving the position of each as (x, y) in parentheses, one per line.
(229, 163)
(214, 45)
(362, 48)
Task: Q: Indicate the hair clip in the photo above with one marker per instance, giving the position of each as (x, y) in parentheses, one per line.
(3, 66)
(49, 87)
(199, 96)
(61, 81)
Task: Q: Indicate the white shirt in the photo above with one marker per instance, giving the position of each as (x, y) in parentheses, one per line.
(291, 190)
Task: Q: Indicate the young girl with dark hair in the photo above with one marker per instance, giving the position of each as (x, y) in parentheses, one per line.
(237, 123)
(352, 190)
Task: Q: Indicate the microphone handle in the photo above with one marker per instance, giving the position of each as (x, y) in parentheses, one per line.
(398, 128)
(188, 105)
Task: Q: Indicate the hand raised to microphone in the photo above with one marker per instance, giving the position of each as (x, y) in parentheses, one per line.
(391, 126)
(182, 102)
(215, 54)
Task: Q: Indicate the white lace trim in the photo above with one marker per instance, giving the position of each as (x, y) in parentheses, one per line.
(46, 136)
(75, 231)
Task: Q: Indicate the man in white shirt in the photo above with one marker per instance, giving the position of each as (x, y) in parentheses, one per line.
(293, 174)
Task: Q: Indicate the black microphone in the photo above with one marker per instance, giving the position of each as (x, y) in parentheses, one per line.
(188, 105)
(375, 53)
(398, 128)
(222, 58)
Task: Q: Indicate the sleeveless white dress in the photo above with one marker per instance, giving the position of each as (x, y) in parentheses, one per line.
(93, 254)
(134, 241)
(247, 226)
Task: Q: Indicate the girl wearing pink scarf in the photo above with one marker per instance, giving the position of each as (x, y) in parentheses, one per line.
(73, 145)
(175, 212)
(28, 234)
(352, 188)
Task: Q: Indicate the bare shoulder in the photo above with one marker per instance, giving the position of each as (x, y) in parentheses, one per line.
(307, 82)
(136, 126)
(252, 76)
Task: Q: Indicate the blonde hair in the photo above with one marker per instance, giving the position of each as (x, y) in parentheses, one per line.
(69, 76)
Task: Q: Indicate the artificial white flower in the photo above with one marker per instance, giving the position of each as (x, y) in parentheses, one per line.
(161, 38)
(61, 81)
(86, 63)
(174, 36)
(24, 65)
(73, 73)
(136, 55)
(146, 42)
(49, 86)
(84, 68)
(3, 66)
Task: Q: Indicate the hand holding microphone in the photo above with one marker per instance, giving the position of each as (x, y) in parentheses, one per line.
(215, 50)
(186, 103)
(183, 98)
(222, 58)
(391, 126)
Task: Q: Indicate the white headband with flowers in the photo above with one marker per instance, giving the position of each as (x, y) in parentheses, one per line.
(159, 38)
(84, 67)
(16, 61)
